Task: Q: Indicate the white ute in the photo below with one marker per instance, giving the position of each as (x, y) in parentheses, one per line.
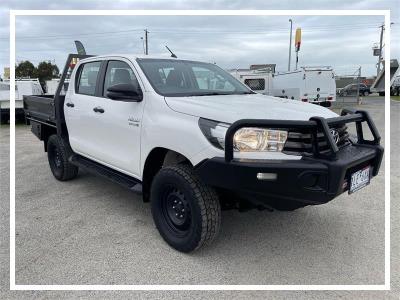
(194, 140)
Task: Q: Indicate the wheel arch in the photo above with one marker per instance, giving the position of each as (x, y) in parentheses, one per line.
(156, 159)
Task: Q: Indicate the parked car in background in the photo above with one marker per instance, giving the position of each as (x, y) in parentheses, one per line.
(351, 90)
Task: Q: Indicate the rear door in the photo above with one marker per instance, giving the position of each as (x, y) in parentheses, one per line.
(78, 110)
(320, 84)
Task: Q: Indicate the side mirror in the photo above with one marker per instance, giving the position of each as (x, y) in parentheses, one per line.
(125, 92)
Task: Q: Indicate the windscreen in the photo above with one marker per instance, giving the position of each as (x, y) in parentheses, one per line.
(180, 78)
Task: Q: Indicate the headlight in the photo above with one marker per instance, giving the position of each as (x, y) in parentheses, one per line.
(259, 139)
(245, 139)
(214, 132)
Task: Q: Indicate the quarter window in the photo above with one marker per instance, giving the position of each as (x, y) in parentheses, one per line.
(88, 78)
(118, 72)
(256, 84)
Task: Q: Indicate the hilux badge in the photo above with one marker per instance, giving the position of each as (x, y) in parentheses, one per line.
(133, 121)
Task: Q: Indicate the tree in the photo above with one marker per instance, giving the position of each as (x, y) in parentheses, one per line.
(44, 71)
(47, 71)
(25, 69)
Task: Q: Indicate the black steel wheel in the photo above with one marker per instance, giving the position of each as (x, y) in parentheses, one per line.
(57, 155)
(186, 212)
(176, 210)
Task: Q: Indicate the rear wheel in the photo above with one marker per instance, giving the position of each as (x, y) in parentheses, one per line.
(186, 212)
(58, 154)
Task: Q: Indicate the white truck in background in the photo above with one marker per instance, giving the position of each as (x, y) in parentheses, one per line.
(259, 81)
(52, 85)
(308, 84)
(23, 87)
(379, 84)
(395, 84)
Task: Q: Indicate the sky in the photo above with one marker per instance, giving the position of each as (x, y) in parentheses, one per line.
(343, 42)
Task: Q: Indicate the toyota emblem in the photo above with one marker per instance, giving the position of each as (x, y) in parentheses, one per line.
(335, 135)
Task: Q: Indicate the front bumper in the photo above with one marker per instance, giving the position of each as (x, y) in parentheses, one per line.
(308, 180)
(314, 179)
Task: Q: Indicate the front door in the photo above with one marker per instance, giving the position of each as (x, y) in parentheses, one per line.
(118, 123)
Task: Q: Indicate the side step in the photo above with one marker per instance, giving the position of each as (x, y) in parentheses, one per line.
(95, 168)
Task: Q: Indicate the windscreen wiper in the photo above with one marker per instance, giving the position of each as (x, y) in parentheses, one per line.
(212, 94)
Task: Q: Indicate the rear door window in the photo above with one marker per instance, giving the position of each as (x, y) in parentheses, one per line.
(88, 78)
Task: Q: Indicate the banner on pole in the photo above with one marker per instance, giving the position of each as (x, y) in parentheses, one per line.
(297, 41)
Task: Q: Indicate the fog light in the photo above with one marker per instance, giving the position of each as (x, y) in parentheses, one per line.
(267, 176)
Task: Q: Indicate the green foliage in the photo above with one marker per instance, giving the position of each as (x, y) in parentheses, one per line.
(47, 71)
(44, 71)
(25, 69)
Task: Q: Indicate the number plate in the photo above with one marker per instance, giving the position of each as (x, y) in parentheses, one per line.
(359, 179)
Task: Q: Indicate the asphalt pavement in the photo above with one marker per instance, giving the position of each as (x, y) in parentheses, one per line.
(92, 231)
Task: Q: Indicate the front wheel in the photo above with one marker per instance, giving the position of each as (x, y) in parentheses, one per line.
(186, 212)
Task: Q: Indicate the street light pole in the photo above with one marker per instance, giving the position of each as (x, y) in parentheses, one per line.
(290, 43)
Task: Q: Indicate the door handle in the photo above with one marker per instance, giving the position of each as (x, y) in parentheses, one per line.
(69, 104)
(98, 109)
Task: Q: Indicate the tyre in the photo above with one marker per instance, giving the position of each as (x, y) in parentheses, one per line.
(58, 154)
(186, 212)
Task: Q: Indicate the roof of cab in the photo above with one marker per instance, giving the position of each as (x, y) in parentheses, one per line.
(133, 56)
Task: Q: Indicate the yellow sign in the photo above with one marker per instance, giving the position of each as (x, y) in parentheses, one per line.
(6, 73)
(297, 41)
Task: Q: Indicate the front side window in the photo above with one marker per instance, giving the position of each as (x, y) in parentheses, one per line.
(180, 78)
(88, 78)
(118, 72)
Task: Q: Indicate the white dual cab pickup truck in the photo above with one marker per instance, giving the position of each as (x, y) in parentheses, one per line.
(194, 140)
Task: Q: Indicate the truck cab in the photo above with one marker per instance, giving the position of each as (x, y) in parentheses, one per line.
(194, 140)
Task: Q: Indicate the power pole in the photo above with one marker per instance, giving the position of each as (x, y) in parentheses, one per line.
(146, 42)
(380, 50)
(290, 43)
